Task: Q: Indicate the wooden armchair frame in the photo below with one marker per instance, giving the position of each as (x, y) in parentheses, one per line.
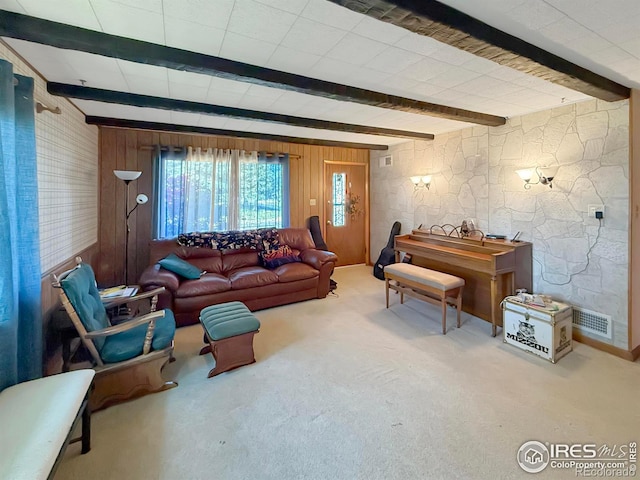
(129, 379)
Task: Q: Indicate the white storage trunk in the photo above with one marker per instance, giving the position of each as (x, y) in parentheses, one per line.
(545, 332)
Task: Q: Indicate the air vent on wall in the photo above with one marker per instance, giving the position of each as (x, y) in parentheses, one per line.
(592, 322)
(386, 161)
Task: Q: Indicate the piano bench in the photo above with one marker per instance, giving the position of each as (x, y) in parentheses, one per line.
(428, 285)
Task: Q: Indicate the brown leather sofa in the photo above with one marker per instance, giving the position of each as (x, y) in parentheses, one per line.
(238, 275)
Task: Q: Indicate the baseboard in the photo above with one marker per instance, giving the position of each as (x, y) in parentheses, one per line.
(605, 347)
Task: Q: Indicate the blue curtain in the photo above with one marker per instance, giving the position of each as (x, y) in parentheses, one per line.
(20, 304)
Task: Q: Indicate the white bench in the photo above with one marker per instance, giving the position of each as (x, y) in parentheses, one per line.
(37, 419)
(429, 285)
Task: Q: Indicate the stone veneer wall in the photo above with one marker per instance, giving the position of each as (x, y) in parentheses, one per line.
(474, 178)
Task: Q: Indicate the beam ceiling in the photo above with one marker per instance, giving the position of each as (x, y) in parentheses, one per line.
(147, 101)
(167, 127)
(23, 27)
(448, 25)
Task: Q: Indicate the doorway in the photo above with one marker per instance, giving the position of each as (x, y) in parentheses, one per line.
(346, 194)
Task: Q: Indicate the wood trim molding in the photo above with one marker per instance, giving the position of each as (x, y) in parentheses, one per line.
(32, 29)
(146, 101)
(168, 127)
(452, 27)
(605, 347)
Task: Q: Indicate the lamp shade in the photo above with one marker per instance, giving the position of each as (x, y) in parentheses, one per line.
(426, 179)
(141, 199)
(525, 174)
(415, 180)
(127, 175)
(549, 172)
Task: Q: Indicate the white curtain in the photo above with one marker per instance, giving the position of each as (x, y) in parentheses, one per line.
(212, 188)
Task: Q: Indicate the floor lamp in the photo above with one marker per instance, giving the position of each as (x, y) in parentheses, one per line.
(127, 176)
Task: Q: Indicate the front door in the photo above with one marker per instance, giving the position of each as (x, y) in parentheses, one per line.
(345, 214)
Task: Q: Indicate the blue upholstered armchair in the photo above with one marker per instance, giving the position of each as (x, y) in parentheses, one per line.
(128, 357)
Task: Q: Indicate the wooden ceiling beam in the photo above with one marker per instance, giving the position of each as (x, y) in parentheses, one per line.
(32, 29)
(452, 27)
(168, 127)
(147, 101)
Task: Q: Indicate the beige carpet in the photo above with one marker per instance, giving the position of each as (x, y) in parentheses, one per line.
(346, 389)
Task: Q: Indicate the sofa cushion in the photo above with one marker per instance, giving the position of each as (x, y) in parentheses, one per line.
(294, 272)
(280, 256)
(298, 238)
(232, 261)
(208, 284)
(249, 277)
(175, 264)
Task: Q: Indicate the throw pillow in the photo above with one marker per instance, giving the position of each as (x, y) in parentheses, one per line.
(280, 256)
(175, 264)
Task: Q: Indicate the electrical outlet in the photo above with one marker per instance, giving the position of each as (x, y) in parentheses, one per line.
(595, 208)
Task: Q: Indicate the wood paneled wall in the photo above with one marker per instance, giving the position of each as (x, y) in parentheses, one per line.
(122, 149)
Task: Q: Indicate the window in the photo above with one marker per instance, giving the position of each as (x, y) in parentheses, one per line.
(218, 190)
(339, 189)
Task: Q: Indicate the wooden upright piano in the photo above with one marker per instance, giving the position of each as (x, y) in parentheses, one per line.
(492, 269)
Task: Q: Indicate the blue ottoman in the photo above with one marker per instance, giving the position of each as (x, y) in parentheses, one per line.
(229, 329)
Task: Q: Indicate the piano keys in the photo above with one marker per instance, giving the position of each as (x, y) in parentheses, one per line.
(492, 269)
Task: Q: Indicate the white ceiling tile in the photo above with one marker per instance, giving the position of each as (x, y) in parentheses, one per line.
(393, 60)
(535, 15)
(131, 22)
(12, 6)
(480, 65)
(248, 50)
(194, 37)
(453, 77)
(506, 74)
(291, 102)
(293, 61)
(331, 14)
(380, 31)
(367, 78)
(198, 80)
(420, 44)
(564, 30)
(181, 91)
(265, 92)
(451, 55)
(219, 84)
(332, 70)
(75, 12)
(312, 37)
(157, 87)
(141, 69)
(291, 6)
(356, 50)
(424, 69)
(398, 84)
(254, 102)
(424, 90)
(256, 20)
(185, 118)
(212, 121)
(151, 5)
(214, 13)
(219, 97)
(621, 32)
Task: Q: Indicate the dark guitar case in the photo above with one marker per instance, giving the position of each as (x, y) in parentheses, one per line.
(316, 234)
(387, 254)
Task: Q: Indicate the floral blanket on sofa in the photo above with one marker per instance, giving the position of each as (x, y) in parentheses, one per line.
(261, 239)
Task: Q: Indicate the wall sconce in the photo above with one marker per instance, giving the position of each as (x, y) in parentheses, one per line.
(421, 181)
(545, 175)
